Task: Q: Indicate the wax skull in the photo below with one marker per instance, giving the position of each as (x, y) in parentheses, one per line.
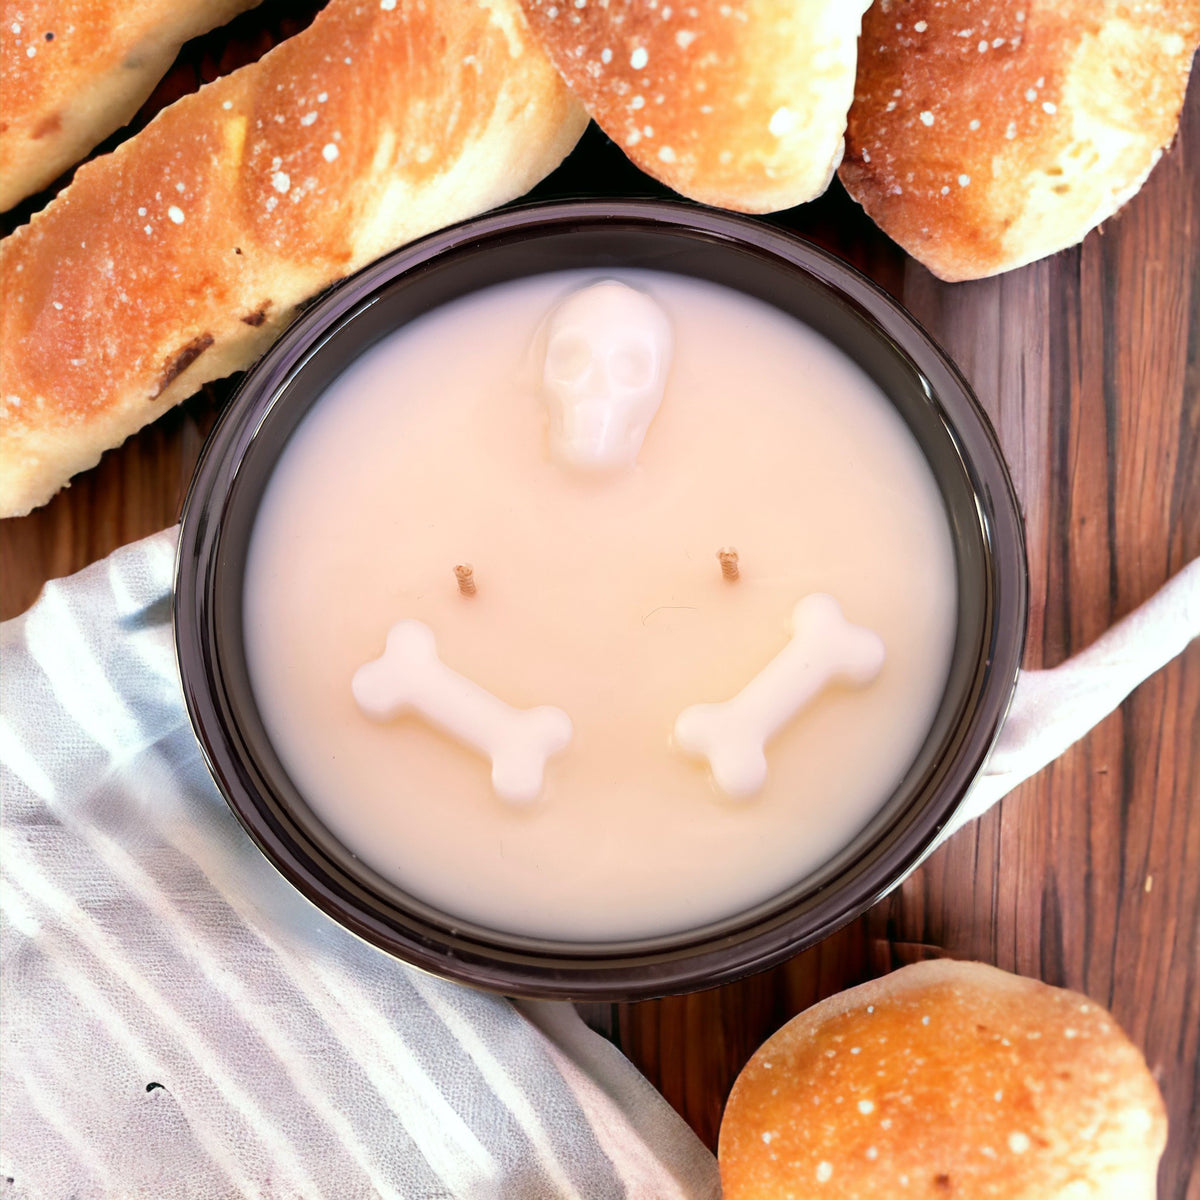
(607, 356)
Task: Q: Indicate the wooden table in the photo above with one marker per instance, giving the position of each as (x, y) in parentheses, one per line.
(1088, 876)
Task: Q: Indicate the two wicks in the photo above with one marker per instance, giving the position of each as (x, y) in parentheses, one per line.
(727, 556)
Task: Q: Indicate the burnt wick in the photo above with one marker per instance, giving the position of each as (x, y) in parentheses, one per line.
(465, 574)
(728, 558)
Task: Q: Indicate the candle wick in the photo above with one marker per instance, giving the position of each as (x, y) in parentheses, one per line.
(465, 574)
(728, 558)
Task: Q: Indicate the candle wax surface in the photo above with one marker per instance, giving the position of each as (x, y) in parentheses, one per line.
(600, 595)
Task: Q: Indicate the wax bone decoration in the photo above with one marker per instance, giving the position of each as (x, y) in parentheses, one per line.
(608, 351)
(732, 735)
(411, 677)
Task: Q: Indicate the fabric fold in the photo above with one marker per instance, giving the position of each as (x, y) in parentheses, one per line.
(1053, 709)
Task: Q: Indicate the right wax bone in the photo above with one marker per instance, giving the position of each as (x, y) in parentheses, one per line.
(733, 735)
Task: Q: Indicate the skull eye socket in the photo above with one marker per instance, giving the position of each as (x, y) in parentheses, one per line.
(567, 358)
(631, 366)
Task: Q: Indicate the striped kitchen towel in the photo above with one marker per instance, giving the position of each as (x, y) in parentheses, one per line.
(178, 1022)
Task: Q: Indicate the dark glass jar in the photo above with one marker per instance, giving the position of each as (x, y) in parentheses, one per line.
(928, 393)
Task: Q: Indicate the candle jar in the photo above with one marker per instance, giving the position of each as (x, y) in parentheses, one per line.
(747, 256)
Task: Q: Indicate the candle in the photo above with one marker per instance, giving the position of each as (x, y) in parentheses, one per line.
(595, 470)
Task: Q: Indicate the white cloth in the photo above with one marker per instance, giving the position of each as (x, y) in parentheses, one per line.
(178, 1022)
(1053, 709)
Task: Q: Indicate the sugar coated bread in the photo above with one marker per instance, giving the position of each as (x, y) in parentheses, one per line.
(738, 105)
(72, 73)
(989, 133)
(179, 257)
(945, 1079)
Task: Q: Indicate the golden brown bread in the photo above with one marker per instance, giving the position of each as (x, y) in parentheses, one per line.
(180, 256)
(72, 73)
(989, 133)
(945, 1079)
(738, 105)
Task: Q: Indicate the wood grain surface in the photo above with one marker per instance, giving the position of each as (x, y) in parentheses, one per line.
(1088, 876)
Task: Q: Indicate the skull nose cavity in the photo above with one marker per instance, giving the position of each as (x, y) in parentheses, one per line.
(592, 431)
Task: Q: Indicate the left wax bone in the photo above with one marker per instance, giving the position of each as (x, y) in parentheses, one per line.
(733, 735)
(411, 676)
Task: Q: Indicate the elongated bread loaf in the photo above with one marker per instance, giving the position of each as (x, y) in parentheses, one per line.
(989, 133)
(738, 105)
(180, 256)
(945, 1079)
(72, 73)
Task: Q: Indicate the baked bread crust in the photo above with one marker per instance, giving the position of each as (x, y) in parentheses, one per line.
(71, 74)
(945, 1079)
(989, 133)
(741, 106)
(179, 257)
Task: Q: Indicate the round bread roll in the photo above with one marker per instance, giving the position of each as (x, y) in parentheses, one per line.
(945, 1079)
(986, 134)
(738, 105)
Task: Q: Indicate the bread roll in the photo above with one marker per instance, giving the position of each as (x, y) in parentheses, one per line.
(72, 73)
(738, 105)
(989, 133)
(945, 1079)
(179, 257)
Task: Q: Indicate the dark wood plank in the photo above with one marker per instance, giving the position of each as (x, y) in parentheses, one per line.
(1089, 875)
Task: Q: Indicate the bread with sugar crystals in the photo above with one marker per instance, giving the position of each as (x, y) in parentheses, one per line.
(72, 73)
(180, 256)
(945, 1079)
(738, 105)
(989, 133)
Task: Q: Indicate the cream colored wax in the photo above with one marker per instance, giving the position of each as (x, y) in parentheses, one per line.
(601, 595)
